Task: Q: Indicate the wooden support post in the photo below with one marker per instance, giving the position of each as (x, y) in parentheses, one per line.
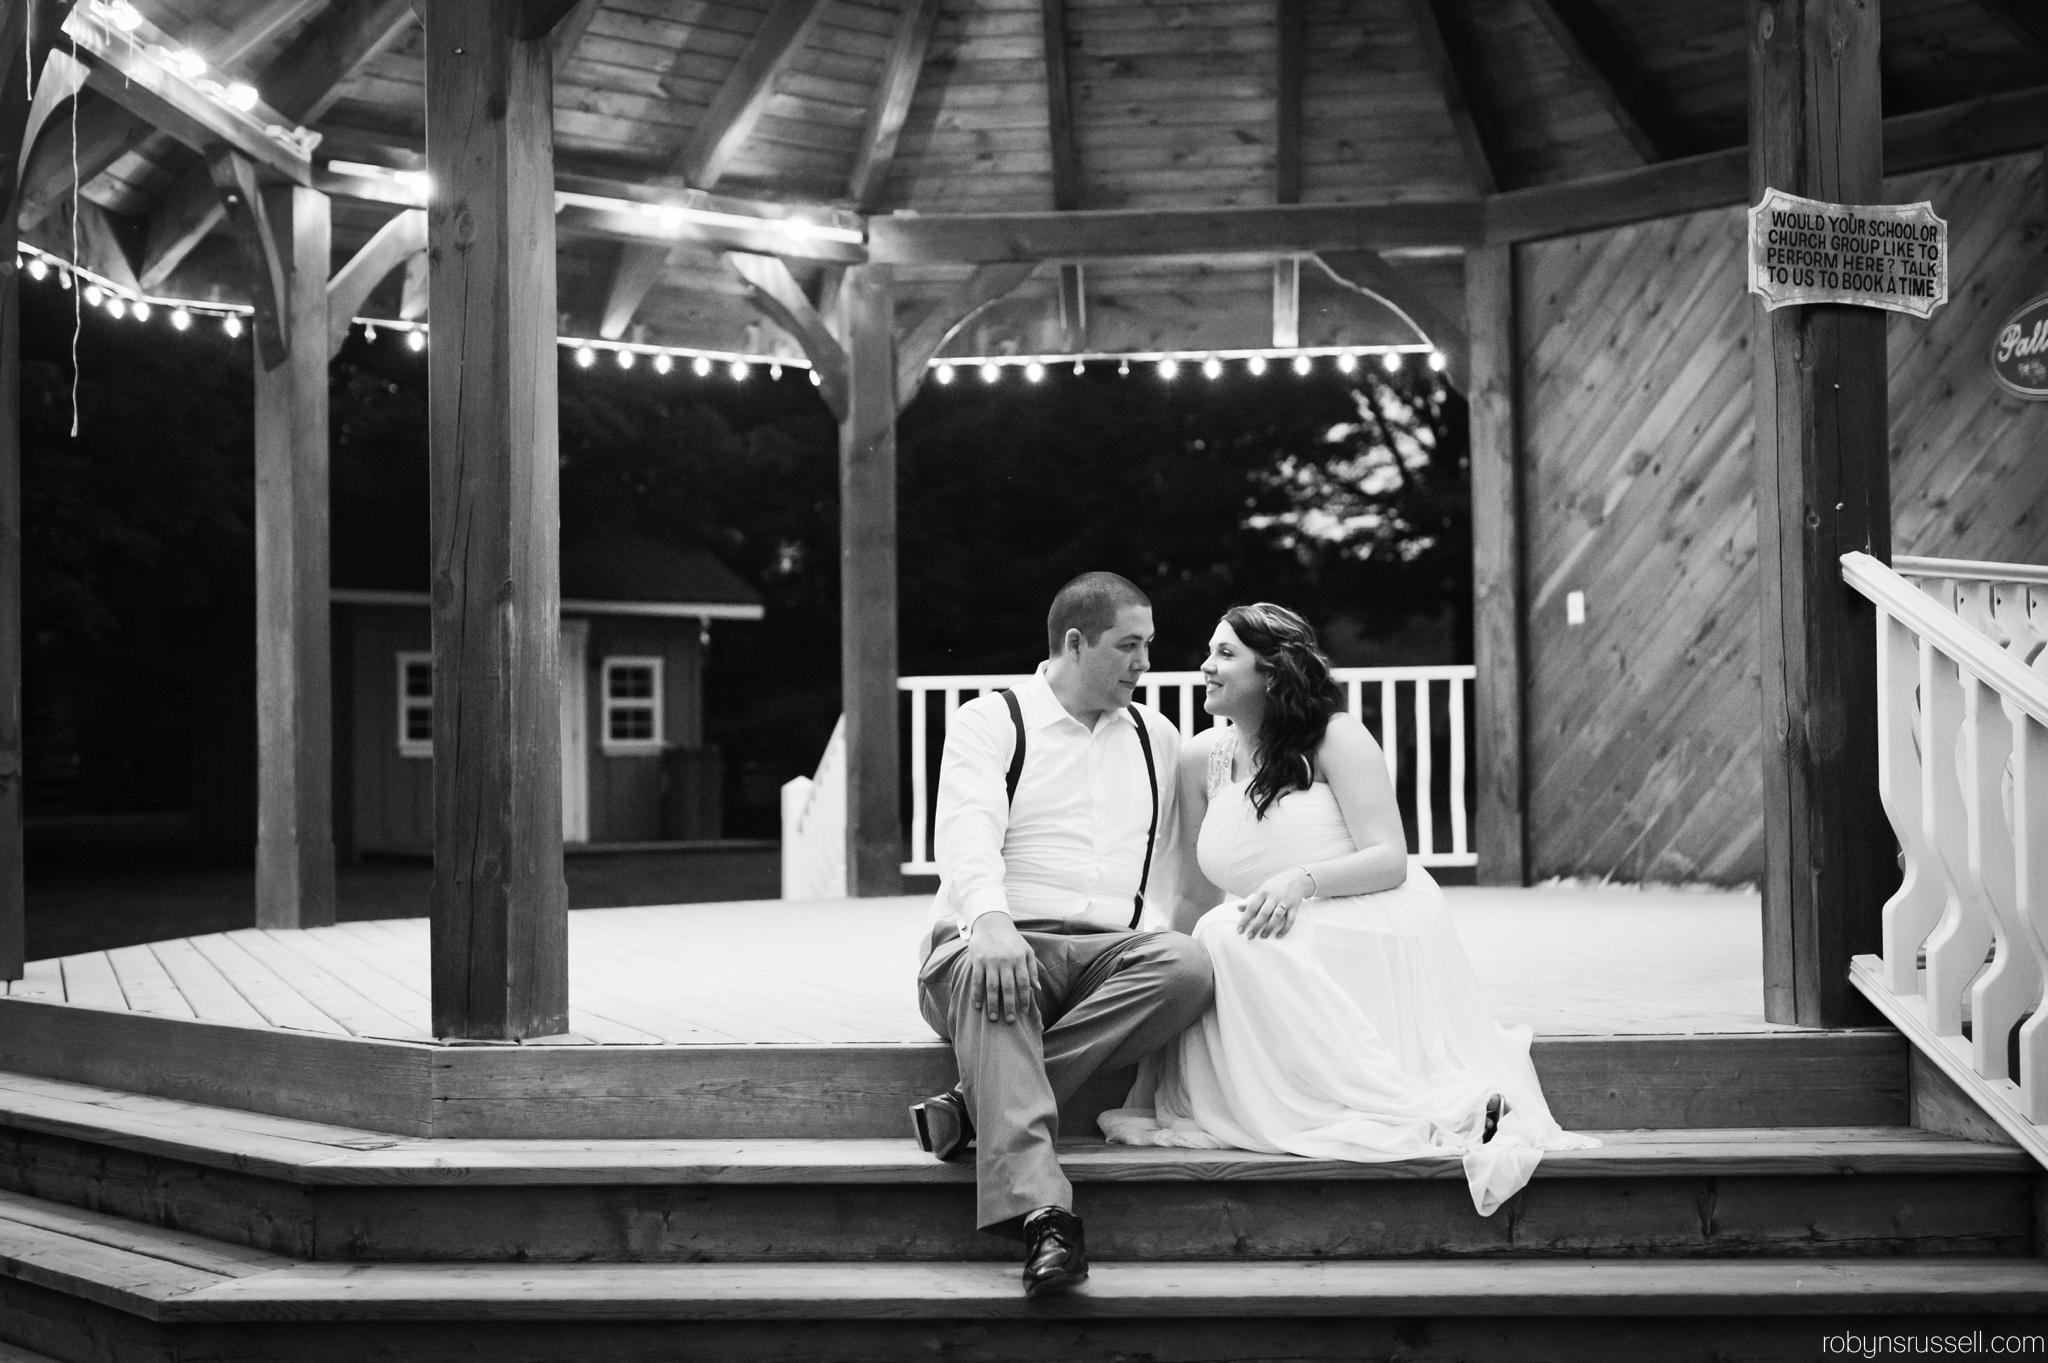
(500, 906)
(294, 683)
(1823, 488)
(867, 583)
(1499, 816)
(1287, 302)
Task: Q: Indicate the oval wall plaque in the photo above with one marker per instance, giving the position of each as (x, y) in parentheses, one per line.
(2019, 353)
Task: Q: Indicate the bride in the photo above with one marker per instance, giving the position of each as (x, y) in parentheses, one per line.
(1347, 1024)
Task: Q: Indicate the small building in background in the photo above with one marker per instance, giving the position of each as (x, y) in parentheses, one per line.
(637, 617)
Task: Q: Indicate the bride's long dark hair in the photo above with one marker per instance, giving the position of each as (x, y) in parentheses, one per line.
(1301, 695)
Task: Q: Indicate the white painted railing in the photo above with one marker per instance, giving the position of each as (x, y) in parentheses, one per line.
(814, 826)
(1376, 695)
(1962, 696)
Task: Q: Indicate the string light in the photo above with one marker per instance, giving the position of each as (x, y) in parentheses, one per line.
(991, 371)
(1256, 365)
(1347, 362)
(1124, 368)
(585, 356)
(186, 63)
(63, 279)
(415, 340)
(369, 334)
(1212, 368)
(739, 371)
(702, 368)
(1169, 367)
(141, 310)
(1301, 365)
(775, 372)
(662, 363)
(1436, 362)
(1391, 361)
(180, 319)
(36, 268)
(1034, 371)
(241, 95)
(232, 325)
(945, 374)
(625, 359)
(816, 382)
(1080, 368)
(123, 16)
(116, 309)
(93, 295)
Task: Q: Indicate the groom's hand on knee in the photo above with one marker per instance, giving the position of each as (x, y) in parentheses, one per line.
(1001, 969)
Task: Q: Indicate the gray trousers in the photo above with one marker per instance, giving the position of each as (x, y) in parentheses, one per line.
(1105, 999)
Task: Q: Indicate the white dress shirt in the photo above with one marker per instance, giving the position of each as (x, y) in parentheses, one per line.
(1072, 843)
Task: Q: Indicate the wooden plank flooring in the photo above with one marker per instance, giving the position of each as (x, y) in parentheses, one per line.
(1565, 961)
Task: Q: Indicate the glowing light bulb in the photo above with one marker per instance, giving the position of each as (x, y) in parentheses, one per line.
(1034, 371)
(1436, 361)
(1256, 365)
(1080, 368)
(93, 295)
(662, 363)
(415, 340)
(1169, 367)
(1123, 367)
(36, 268)
(625, 359)
(1347, 362)
(116, 309)
(1391, 361)
(775, 371)
(1302, 365)
(180, 319)
(739, 371)
(369, 333)
(1212, 368)
(816, 382)
(585, 356)
(187, 63)
(242, 95)
(124, 16)
(945, 373)
(702, 368)
(231, 324)
(991, 372)
(63, 278)
(141, 310)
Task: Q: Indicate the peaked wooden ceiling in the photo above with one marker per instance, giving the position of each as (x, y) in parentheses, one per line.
(947, 107)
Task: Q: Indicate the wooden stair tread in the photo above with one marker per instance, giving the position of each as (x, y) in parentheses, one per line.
(315, 1153)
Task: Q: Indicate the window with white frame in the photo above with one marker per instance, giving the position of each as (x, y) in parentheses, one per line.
(632, 706)
(415, 705)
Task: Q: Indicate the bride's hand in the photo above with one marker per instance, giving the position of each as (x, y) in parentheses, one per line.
(1269, 910)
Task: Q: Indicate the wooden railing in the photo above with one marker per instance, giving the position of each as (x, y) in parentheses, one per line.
(1962, 695)
(1397, 703)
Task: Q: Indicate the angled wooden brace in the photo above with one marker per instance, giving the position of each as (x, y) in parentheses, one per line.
(915, 349)
(396, 243)
(773, 290)
(234, 175)
(1372, 274)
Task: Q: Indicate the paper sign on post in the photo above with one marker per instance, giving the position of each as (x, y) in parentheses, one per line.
(1892, 256)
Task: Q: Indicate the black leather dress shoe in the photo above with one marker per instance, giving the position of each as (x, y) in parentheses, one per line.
(942, 1125)
(1055, 1255)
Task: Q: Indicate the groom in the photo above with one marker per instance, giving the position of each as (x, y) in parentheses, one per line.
(1055, 819)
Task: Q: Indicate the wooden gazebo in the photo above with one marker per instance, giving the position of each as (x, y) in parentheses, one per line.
(1545, 193)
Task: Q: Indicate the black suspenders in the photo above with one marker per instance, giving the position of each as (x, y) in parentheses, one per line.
(1016, 773)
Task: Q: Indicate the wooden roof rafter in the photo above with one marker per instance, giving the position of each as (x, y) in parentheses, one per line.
(2026, 20)
(727, 123)
(900, 73)
(1450, 54)
(1290, 24)
(1596, 54)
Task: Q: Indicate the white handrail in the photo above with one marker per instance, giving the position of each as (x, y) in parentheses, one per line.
(1418, 781)
(1963, 773)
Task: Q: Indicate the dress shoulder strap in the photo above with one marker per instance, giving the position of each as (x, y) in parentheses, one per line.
(1221, 755)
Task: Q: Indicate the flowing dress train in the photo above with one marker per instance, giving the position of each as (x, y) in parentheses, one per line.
(1360, 1035)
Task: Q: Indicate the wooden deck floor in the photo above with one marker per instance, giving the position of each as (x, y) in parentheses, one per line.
(1567, 961)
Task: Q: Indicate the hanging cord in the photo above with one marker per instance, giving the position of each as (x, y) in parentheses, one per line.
(77, 306)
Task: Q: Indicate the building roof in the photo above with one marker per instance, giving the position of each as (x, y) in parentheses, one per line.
(614, 575)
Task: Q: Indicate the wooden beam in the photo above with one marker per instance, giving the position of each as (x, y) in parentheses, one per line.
(186, 214)
(740, 101)
(242, 201)
(306, 79)
(635, 271)
(1074, 306)
(104, 130)
(1823, 484)
(867, 590)
(1498, 595)
(568, 34)
(774, 292)
(396, 243)
(1107, 234)
(19, 49)
(1448, 52)
(544, 18)
(2026, 20)
(258, 27)
(1287, 302)
(415, 297)
(1440, 323)
(1290, 23)
(60, 81)
(102, 248)
(294, 681)
(900, 73)
(918, 346)
(1606, 68)
(499, 904)
(119, 67)
(1059, 106)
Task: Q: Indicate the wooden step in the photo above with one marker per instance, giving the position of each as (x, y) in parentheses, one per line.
(77, 1286)
(325, 1192)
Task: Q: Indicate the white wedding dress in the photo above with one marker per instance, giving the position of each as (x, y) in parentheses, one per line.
(1359, 1035)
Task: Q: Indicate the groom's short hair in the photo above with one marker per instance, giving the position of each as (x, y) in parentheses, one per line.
(1091, 604)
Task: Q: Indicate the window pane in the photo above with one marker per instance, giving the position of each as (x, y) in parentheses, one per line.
(632, 683)
(632, 723)
(419, 724)
(419, 680)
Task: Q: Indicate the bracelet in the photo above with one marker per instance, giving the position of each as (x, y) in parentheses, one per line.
(1314, 890)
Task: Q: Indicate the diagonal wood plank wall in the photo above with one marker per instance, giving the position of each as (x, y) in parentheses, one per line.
(1643, 723)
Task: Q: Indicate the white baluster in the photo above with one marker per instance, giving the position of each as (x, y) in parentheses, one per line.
(1187, 709)
(1425, 816)
(1956, 947)
(1460, 834)
(920, 794)
(2011, 983)
(1390, 730)
(2030, 896)
(1911, 913)
(1354, 698)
